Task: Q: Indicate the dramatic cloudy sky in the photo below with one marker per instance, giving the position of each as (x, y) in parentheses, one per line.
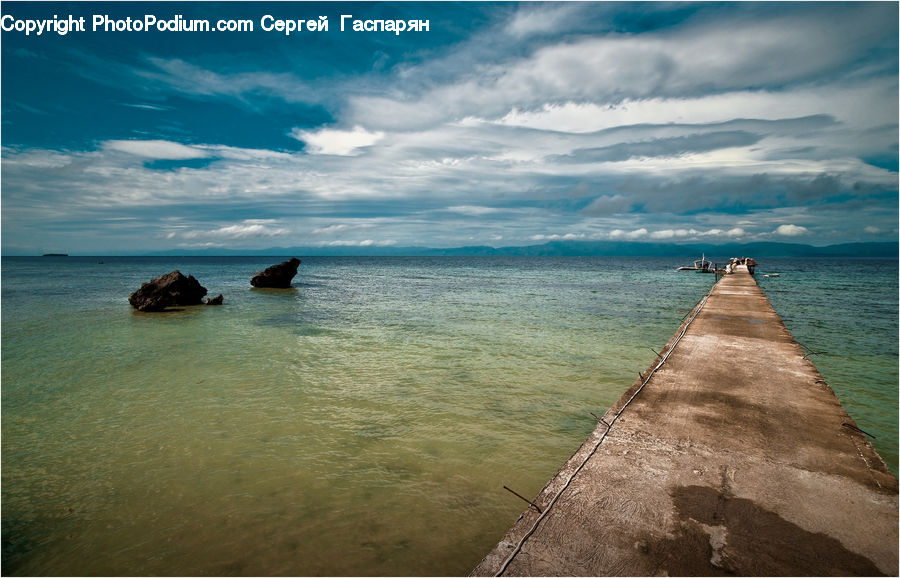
(504, 124)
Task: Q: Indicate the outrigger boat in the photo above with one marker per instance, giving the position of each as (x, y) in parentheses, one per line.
(701, 265)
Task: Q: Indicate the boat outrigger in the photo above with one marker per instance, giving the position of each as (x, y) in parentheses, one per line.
(700, 265)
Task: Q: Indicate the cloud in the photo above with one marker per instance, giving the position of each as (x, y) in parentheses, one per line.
(332, 229)
(539, 19)
(14, 158)
(664, 147)
(790, 231)
(156, 149)
(666, 234)
(145, 106)
(631, 235)
(586, 117)
(246, 229)
(363, 243)
(181, 76)
(472, 210)
(566, 237)
(337, 142)
(25, 53)
(609, 205)
(676, 234)
(684, 67)
(733, 232)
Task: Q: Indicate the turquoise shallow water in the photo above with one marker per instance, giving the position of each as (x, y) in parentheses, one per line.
(363, 422)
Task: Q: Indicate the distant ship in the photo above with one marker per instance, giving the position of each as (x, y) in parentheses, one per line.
(55, 255)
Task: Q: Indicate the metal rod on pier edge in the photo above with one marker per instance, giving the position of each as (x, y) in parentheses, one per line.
(536, 507)
(600, 420)
(853, 427)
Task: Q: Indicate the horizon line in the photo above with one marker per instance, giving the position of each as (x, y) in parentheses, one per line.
(418, 250)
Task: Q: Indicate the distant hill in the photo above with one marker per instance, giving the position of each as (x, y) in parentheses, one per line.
(585, 249)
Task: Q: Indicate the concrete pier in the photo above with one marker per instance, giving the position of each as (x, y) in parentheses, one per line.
(730, 455)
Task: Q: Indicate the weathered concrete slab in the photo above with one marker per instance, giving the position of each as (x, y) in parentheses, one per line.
(732, 459)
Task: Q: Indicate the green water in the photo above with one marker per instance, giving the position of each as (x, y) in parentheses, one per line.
(363, 422)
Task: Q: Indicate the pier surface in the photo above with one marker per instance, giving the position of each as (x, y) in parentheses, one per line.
(733, 457)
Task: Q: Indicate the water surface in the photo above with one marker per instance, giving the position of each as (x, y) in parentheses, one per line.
(362, 422)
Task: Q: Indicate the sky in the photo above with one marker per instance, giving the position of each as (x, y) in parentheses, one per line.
(502, 124)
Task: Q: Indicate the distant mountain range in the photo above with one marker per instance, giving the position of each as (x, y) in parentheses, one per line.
(584, 249)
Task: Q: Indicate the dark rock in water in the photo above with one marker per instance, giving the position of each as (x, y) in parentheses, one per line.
(216, 300)
(168, 290)
(278, 276)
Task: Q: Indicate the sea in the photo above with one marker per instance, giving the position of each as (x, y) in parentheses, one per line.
(364, 421)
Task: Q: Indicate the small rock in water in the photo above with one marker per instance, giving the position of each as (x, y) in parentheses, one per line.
(277, 276)
(216, 300)
(169, 290)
